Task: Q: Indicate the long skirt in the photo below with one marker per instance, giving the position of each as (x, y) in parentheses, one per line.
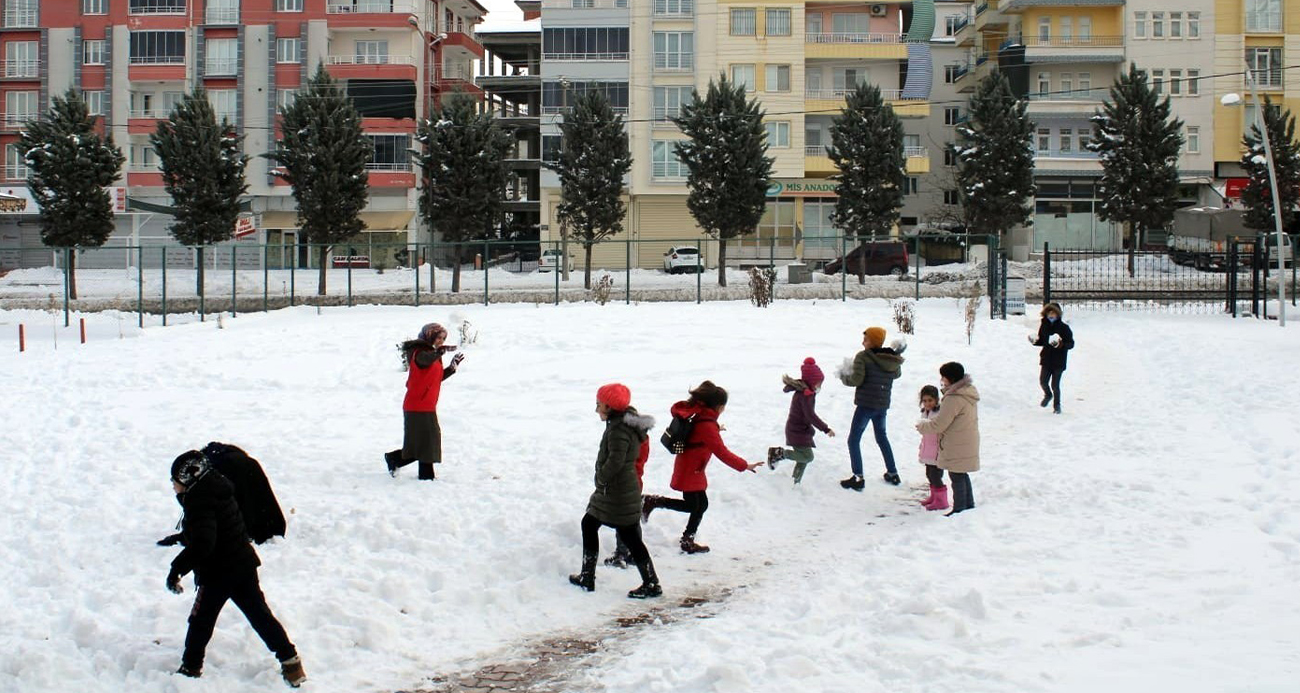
(421, 437)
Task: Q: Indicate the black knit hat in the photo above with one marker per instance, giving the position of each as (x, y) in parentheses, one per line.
(189, 467)
(952, 371)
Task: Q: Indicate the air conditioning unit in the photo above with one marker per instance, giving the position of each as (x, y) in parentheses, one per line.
(879, 10)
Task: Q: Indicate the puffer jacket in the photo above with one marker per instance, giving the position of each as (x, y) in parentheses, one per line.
(704, 442)
(216, 544)
(958, 426)
(874, 372)
(617, 498)
(1054, 357)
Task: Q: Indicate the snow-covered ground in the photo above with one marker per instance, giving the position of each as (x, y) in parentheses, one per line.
(1144, 540)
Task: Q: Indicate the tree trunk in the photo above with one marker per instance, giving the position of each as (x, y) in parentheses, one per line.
(564, 255)
(455, 269)
(198, 276)
(722, 262)
(862, 261)
(586, 270)
(324, 265)
(72, 273)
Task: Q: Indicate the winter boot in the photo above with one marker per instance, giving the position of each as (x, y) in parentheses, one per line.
(291, 670)
(1047, 399)
(393, 460)
(648, 503)
(774, 455)
(689, 545)
(649, 582)
(192, 672)
(799, 468)
(620, 558)
(426, 471)
(586, 579)
(929, 499)
(938, 498)
(854, 482)
(891, 478)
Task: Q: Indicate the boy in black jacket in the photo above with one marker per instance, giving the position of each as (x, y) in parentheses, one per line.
(218, 550)
(1056, 339)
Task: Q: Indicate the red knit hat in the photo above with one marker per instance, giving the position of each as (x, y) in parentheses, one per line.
(616, 396)
(811, 373)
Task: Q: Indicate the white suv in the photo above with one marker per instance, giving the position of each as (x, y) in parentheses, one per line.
(682, 258)
(550, 259)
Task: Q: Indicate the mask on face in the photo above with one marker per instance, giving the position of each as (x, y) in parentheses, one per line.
(1051, 318)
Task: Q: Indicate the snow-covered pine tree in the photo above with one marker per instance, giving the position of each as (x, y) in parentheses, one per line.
(464, 174)
(1138, 141)
(867, 147)
(995, 159)
(1257, 196)
(70, 167)
(727, 163)
(323, 155)
(593, 160)
(203, 171)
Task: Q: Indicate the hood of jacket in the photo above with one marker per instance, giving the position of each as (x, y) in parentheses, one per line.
(886, 359)
(641, 423)
(685, 409)
(963, 388)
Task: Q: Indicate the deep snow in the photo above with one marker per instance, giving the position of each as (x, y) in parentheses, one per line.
(1141, 541)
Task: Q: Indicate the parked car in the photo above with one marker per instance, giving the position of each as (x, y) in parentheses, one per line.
(550, 259)
(882, 257)
(682, 258)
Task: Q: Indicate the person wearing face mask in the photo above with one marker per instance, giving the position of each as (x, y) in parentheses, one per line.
(1056, 340)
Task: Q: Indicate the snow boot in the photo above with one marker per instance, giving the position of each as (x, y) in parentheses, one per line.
(891, 478)
(426, 471)
(393, 460)
(689, 545)
(586, 579)
(192, 672)
(291, 670)
(774, 455)
(929, 499)
(938, 498)
(1047, 399)
(621, 557)
(854, 482)
(799, 468)
(649, 582)
(648, 503)
(1056, 409)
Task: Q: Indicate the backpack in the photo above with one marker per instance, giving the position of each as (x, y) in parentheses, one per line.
(262, 516)
(678, 431)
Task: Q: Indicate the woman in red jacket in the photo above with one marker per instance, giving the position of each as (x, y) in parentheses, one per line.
(422, 437)
(706, 404)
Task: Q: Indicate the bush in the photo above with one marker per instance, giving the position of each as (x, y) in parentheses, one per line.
(905, 316)
(601, 288)
(762, 283)
(972, 309)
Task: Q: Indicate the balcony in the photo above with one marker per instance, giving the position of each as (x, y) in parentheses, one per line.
(622, 57)
(674, 9)
(1069, 161)
(460, 45)
(172, 7)
(16, 122)
(371, 14)
(516, 78)
(1047, 49)
(390, 174)
(372, 66)
(584, 4)
(456, 78)
(221, 16)
(16, 172)
(917, 160)
(21, 69)
(1081, 102)
(1264, 22)
(818, 163)
(1268, 79)
(221, 67)
(829, 100)
(963, 33)
(21, 18)
(661, 118)
(561, 110)
(869, 46)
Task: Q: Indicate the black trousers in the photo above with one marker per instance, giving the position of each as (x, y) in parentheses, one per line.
(962, 496)
(630, 535)
(693, 502)
(246, 593)
(934, 474)
(1050, 379)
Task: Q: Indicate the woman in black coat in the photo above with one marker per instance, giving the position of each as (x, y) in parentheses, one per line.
(1056, 340)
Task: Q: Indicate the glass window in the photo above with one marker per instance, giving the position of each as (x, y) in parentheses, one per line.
(1157, 25)
(1067, 83)
(669, 100)
(1265, 65)
(675, 7)
(22, 59)
(951, 115)
(1044, 140)
(157, 47)
(951, 197)
(157, 6)
(94, 102)
(664, 162)
(777, 22)
(1044, 29)
(1175, 25)
(848, 79)
(1085, 30)
(950, 24)
(812, 140)
(372, 53)
(1158, 82)
(1193, 82)
(390, 153)
(92, 52)
(950, 73)
(673, 50)
(552, 145)
(1067, 30)
(777, 78)
(224, 104)
(1085, 84)
(15, 163)
(221, 57)
(287, 50)
(1084, 139)
(1067, 140)
(743, 22)
(812, 24)
(1044, 83)
(1193, 139)
(854, 23)
(1193, 25)
(1175, 82)
(170, 99)
(285, 98)
(743, 74)
(778, 133)
(949, 156)
(94, 6)
(1139, 25)
(1264, 15)
(812, 81)
(288, 5)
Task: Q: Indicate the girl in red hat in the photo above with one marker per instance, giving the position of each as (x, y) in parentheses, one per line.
(802, 422)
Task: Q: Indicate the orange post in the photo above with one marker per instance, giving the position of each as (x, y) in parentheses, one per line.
(83, 330)
(22, 338)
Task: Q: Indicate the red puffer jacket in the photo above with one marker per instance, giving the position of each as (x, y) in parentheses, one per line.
(423, 385)
(704, 443)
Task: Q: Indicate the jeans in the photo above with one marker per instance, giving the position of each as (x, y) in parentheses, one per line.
(1050, 379)
(693, 502)
(246, 593)
(861, 417)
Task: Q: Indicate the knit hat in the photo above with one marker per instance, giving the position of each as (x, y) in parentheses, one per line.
(189, 467)
(811, 374)
(875, 337)
(616, 396)
(430, 332)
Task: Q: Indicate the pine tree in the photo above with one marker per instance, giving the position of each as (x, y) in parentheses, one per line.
(464, 172)
(727, 163)
(1138, 141)
(323, 156)
(995, 160)
(203, 171)
(867, 148)
(592, 163)
(70, 168)
(1257, 196)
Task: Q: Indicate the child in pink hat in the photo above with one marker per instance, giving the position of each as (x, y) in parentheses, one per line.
(802, 420)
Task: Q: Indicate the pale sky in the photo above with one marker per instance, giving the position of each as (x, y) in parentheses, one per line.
(499, 10)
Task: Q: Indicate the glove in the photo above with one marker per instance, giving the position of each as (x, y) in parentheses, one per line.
(170, 540)
(174, 583)
(455, 360)
(1031, 338)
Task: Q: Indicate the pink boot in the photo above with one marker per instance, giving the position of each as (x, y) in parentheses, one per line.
(930, 498)
(939, 498)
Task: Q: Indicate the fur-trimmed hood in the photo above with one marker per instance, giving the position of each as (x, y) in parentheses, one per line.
(641, 423)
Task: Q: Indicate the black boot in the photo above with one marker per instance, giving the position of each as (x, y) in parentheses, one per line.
(586, 579)
(689, 546)
(393, 460)
(649, 582)
(774, 455)
(426, 471)
(648, 503)
(621, 558)
(854, 482)
(1047, 399)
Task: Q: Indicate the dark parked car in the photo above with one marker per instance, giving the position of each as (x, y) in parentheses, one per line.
(882, 257)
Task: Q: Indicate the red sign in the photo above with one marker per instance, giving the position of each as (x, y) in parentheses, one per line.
(1233, 188)
(244, 227)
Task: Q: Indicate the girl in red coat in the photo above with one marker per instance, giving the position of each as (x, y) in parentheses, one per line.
(706, 404)
(422, 437)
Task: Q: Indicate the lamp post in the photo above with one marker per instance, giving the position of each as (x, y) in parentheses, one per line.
(1234, 99)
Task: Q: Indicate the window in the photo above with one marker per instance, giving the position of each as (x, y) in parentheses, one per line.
(1044, 84)
(1157, 25)
(94, 102)
(92, 52)
(949, 156)
(1067, 140)
(94, 6)
(170, 99)
(372, 53)
(1085, 84)
(673, 50)
(390, 153)
(1085, 138)
(552, 145)
(1044, 140)
(675, 7)
(950, 73)
(224, 104)
(950, 23)
(848, 79)
(21, 59)
(1265, 66)
(157, 7)
(15, 163)
(778, 133)
(285, 98)
(221, 57)
(1193, 139)
(743, 22)
(142, 105)
(1044, 29)
(143, 157)
(1085, 30)
(557, 98)
(1193, 82)
(287, 50)
(911, 145)
(951, 197)
(664, 162)
(1158, 82)
(1193, 25)
(585, 43)
(1264, 15)
(743, 75)
(1067, 30)
(20, 106)
(1175, 25)
(951, 115)
(812, 24)
(1067, 84)
(668, 102)
(777, 78)
(777, 22)
(157, 47)
(288, 5)
(1139, 25)
(855, 23)
(1175, 82)
(911, 185)
(812, 81)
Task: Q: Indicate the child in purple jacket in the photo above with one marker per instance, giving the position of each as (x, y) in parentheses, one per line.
(802, 420)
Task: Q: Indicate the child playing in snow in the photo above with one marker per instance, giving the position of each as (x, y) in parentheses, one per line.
(872, 374)
(802, 419)
(958, 427)
(928, 455)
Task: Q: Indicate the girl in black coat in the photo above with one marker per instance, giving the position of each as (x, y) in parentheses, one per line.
(1056, 340)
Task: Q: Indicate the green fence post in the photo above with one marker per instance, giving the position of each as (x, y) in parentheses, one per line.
(234, 259)
(699, 275)
(557, 277)
(293, 274)
(349, 278)
(415, 263)
(485, 272)
(771, 262)
(627, 273)
(139, 283)
(918, 266)
(844, 267)
(202, 284)
(163, 251)
(266, 277)
(67, 284)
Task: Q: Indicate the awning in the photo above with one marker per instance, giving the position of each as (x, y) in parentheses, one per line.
(375, 221)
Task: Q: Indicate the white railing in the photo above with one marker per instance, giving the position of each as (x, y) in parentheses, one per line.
(839, 94)
(519, 70)
(20, 18)
(1071, 154)
(16, 121)
(584, 4)
(465, 74)
(1074, 42)
(814, 150)
(371, 60)
(144, 168)
(157, 60)
(22, 68)
(160, 8)
(221, 15)
(914, 151)
(852, 38)
(369, 7)
(685, 8)
(154, 113)
(16, 172)
(662, 115)
(223, 66)
(391, 167)
(584, 56)
(1073, 95)
(1268, 78)
(1264, 21)
(560, 110)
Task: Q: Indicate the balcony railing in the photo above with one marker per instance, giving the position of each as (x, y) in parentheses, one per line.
(980, 8)
(814, 150)
(369, 7)
(584, 4)
(684, 8)
(22, 68)
(157, 60)
(16, 172)
(156, 7)
(1094, 95)
(662, 115)
(1268, 78)
(852, 38)
(16, 121)
(584, 56)
(1073, 41)
(914, 151)
(389, 166)
(153, 113)
(515, 70)
(1065, 154)
(838, 94)
(962, 22)
(1266, 22)
(20, 18)
(221, 15)
(134, 167)
(371, 60)
(560, 110)
(223, 66)
(457, 72)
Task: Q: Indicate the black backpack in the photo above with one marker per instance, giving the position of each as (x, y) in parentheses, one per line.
(677, 432)
(262, 516)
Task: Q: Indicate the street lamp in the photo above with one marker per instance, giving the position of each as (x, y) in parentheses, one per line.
(1234, 99)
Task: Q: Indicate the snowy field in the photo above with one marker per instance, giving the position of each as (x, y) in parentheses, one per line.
(1145, 540)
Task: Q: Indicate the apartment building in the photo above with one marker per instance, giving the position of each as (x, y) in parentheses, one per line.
(134, 59)
(510, 77)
